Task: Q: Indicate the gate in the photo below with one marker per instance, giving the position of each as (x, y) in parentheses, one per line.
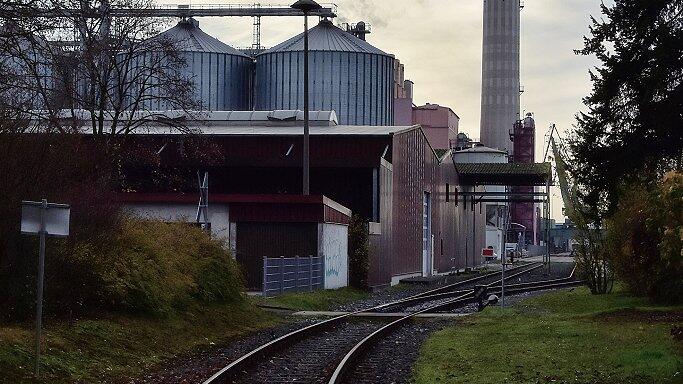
(294, 274)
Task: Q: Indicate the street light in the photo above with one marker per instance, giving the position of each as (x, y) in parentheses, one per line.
(306, 6)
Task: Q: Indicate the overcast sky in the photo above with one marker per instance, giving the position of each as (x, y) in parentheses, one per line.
(440, 43)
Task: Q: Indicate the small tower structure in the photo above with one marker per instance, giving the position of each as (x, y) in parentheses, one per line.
(523, 137)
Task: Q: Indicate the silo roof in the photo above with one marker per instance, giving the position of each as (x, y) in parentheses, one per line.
(326, 37)
(192, 39)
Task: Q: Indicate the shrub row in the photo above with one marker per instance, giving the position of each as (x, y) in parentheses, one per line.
(645, 238)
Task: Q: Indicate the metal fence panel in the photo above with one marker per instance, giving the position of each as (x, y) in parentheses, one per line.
(294, 274)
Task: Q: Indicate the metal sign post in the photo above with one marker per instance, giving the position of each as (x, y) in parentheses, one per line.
(504, 217)
(43, 219)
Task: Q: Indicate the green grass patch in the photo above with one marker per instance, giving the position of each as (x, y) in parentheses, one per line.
(112, 349)
(563, 337)
(323, 300)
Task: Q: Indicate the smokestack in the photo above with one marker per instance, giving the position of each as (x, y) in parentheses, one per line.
(408, 86)
(500, 73)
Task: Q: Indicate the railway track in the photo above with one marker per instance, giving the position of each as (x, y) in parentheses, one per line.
(311, 354)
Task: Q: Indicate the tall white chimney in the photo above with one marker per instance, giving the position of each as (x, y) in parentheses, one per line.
(500, 73)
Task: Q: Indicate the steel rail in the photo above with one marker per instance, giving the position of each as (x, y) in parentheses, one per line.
(472, 280)
(495, 287)
(429, 296)
(236, 367)
(355, 353)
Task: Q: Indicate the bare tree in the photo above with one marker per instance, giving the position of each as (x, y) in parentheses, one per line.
(113, 76)
(592, 257)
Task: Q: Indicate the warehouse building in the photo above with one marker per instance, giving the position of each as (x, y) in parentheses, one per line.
(389, 175)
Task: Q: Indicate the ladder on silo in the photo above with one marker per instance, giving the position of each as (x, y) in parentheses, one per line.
(256, 41)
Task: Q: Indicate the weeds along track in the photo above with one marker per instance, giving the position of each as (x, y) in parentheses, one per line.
(327, 350)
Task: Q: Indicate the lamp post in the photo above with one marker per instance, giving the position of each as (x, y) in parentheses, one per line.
(306, 6)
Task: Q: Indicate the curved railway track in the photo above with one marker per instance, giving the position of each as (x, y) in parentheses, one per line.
(356, 353)
(313, 351)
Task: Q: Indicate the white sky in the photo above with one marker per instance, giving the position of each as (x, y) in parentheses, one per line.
(440, 43)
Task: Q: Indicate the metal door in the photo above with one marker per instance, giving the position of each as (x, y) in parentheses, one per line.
(427, 235)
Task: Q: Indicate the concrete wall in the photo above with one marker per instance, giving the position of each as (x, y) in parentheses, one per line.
(219, 215)
(333, 244)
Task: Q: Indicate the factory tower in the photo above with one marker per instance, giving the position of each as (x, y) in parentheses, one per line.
(500, 73)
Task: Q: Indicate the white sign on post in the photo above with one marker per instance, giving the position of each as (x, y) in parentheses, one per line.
(43, 219)
(56, 218)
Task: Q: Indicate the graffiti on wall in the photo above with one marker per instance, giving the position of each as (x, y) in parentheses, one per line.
(335, 249)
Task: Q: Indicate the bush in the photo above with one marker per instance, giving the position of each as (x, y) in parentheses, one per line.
(156, 268)
(148, 268)
(359, 253)
(645, 238)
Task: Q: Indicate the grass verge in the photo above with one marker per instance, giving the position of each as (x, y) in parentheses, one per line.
(114, 348)
(562, 337)
(324, 300)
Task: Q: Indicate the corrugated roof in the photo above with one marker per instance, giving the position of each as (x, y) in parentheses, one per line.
(326, 37)
(517, 174)
(338, 130)
(503, 168)
(192, 39)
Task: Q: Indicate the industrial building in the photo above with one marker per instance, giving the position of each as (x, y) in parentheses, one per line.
(389, 175)
(258, 226)
(440, 124)
(373, 153)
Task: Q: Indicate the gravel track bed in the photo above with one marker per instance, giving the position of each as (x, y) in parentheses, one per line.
(198, 367)
(313, 359)
(392, 359)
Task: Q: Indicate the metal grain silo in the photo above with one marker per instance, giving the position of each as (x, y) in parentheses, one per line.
(222, 74)
(30, 79)
(347, 75)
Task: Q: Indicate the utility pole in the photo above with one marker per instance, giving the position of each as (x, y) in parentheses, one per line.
(306, 6)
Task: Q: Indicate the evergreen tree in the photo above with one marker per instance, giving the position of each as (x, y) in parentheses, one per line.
(633, 129)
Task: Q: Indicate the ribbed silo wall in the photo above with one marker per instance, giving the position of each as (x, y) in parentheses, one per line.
(357, 86)
(30, 77)
(222, 82)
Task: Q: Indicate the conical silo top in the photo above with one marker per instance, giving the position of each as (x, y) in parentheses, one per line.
(326, 37)
(191, 38)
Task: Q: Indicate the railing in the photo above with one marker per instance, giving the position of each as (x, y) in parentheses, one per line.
(168, 10)
(295, 274)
